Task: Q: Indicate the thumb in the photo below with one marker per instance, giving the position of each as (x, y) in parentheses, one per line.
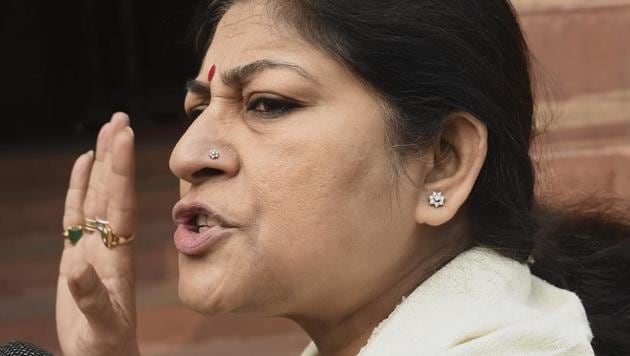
(91, 296)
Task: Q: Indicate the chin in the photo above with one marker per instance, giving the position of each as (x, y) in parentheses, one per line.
(214, 288)
(210, 292)
(202, 288)
(196, 301)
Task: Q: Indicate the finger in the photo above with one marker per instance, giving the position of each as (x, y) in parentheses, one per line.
(97, 198)
(121, 185)
(120, 119)
(95, 204)
(91, 296)
(118, 123)
(77, 188)
(73, 211)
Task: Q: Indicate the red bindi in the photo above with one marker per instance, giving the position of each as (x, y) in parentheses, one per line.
(213, 69)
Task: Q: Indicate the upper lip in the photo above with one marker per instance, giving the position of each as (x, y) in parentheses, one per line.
(185, 213)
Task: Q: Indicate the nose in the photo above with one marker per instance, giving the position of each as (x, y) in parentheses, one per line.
(197, 159)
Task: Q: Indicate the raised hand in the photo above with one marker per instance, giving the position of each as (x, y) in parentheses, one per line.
(96, 307)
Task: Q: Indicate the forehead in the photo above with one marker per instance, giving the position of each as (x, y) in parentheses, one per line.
(248, 28)
(242, 16)
(248, 32)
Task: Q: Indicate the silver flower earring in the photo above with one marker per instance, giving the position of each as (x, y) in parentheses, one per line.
(214, 154)
(437, 199)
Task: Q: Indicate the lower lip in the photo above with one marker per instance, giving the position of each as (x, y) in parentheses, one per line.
(198, 243)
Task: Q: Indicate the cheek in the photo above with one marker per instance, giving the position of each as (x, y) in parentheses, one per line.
(320, 199)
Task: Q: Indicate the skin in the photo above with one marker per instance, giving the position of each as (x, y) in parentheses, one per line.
(96, 307)
(328, 234)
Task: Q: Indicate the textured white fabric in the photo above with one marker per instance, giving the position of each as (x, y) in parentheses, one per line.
(482, 303)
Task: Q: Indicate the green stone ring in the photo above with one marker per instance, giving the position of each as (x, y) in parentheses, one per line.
(73, 233)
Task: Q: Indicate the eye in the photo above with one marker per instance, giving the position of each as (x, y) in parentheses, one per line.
(196, 111)
(271, 107)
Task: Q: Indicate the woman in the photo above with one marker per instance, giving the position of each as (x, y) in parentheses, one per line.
(362, 168)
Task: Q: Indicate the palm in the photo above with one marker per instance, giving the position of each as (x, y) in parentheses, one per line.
(96, 286)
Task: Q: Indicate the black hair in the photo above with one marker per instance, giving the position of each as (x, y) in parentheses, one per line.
(427, 58)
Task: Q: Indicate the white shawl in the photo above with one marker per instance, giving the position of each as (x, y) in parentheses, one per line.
(482, 303)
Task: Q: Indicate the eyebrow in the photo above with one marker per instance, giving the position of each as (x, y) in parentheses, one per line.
(198, 88)
(240, 75)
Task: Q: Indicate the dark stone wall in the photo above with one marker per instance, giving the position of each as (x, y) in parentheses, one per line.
(67, 65)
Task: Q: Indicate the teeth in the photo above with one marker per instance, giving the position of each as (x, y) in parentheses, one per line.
(202, 220)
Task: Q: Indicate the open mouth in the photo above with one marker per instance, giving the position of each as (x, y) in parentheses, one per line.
(199, 228)
(197, 218)
(202, 222)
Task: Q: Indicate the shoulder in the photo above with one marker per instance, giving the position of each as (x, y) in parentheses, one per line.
(483, 303)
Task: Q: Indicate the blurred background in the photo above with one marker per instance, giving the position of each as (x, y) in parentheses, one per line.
(67, 65)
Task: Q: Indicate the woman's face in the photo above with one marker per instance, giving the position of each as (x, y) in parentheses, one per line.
(322, 223)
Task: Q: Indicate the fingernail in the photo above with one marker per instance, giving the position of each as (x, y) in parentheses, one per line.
(122, 117)
(90, 153)
(128, 128)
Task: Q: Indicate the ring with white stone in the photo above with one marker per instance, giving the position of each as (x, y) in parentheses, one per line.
(214, 153)
(437, 199)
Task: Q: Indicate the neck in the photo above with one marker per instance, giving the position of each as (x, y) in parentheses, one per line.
(346, 334)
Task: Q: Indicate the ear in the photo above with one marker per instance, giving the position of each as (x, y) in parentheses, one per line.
(455, 165)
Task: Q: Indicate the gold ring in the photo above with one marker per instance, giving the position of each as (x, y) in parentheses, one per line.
(90, 225)
(73, 233)
(109, 238)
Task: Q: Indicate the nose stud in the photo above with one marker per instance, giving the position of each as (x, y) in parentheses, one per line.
(437, 199)
(214, 154)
